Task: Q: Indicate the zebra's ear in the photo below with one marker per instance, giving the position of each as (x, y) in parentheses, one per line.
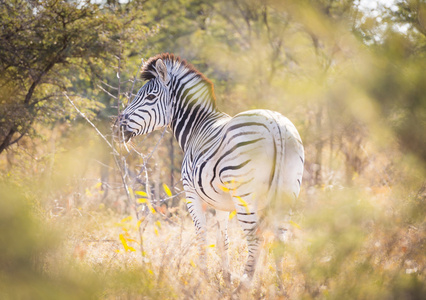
(162, 71)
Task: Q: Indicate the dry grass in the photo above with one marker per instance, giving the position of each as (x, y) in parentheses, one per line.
(341, 247)
(360, 242)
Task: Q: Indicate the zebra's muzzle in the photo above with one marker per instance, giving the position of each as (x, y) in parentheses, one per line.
(124, 135)
(121, 134)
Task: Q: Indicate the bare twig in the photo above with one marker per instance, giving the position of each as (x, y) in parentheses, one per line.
(109, 94)
(110, 86)
(172, 197)
(90, 122)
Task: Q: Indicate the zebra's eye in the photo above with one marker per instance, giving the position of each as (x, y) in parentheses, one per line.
(150, 96)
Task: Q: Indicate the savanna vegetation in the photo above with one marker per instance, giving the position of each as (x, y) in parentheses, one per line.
(82, 217)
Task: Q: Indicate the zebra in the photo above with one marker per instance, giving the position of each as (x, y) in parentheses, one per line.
(245, 163)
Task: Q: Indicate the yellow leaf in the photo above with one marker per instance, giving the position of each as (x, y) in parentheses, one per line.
(98, 185)
(117, 250)
(150, 272)
(140, 222)
(243, 203)
(232, 214)
(212, 245)
(224, 188)
(124, 242)
(129, 218)
(156, 231)
(167, 190)
(141, 193)
(142, 200)
(158, 223)
(192, 263)
(150, 207)
(294, 224)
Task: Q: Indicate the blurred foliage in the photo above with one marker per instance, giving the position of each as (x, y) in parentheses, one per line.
(349, 74)
(48, 47)
(26, 242)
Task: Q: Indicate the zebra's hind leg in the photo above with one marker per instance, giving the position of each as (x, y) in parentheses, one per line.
(223, 243)
(282, 235)
(249, 221)
(278, 249)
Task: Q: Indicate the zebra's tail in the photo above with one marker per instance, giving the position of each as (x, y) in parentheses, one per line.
(288, 165)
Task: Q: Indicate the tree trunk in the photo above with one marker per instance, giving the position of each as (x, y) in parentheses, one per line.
(7, 140)
(318, 147)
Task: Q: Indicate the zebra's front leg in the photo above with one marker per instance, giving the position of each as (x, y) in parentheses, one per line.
(223, 243)
(195, 209)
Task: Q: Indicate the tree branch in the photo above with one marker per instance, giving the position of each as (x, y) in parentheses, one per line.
(90, 122)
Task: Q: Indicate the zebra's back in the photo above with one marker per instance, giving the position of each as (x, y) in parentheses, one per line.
(252, 163)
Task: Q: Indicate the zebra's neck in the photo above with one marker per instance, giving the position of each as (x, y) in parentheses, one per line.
(194, 108)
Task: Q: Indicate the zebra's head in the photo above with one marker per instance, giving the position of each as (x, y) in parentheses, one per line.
(152, 107)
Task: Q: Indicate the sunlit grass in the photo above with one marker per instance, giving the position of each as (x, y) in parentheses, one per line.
(347, 243)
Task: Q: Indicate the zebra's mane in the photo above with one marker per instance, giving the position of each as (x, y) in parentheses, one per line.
(175, 65)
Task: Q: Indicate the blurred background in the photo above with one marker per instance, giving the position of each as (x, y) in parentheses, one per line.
(79, 221)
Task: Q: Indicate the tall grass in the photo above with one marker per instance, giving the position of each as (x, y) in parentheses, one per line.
(347, 243)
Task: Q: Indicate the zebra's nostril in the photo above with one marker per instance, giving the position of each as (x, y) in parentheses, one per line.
(124, 133)
(120, 131)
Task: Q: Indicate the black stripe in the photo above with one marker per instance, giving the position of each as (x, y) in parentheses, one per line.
(234, 167)
(236, 126)
(244, 182)
(241, 144)
(247, 222)
(185, 130)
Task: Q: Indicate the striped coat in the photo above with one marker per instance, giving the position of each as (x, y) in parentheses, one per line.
(251, 163)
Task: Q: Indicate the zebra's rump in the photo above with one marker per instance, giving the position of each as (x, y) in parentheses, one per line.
(247, 163)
